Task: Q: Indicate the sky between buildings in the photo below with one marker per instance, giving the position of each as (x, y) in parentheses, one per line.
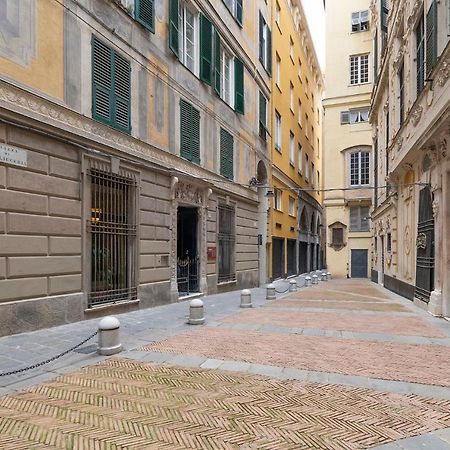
(315, 15)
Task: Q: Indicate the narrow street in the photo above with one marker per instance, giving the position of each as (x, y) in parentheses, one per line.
(342, 365)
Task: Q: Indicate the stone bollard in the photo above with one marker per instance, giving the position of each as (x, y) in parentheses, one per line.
(271, 292)
(196, 316)
(307, 281)
(328, 275)
(324, 276)
(246, 299)
(292, 286)
(315, 279)
(109, 336)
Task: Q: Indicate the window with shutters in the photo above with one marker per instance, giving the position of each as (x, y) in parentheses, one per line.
(111, 87)
(142, 10)
(291, 206)
(226, 154)
(313, 174)
(235, 8)
(277, 199)
(291, 97)
(360, 21)
(278, 70)
(299, 119)
(188, 36)
(359, 218)
(292, 149)
(431, 38)
(306, 126)
(353, 116)
(226, 238)
(420, 55)
(306, 167)
(389, 242)
(359, 69)
(278, 14)
(291, 49)
(278, 131)
(189, 132)
(384, 13)
(265, 44)
(300, 159)
(262, 116)
(359, 168)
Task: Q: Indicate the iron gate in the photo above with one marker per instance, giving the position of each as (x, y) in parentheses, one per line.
(425, 247)
(187, 275)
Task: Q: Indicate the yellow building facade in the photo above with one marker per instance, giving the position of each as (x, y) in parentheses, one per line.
(297, 86)
(348, 137)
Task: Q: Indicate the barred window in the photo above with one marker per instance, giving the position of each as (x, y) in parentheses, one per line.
(113, 239)
(359, 69)
(359, 168)
(337, 236)
(226, 243)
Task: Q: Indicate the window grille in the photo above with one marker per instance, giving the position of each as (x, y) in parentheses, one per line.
(226, 243)
(112, 227)
(337, 236)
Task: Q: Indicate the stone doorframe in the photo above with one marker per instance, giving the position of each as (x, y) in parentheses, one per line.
(188, 193)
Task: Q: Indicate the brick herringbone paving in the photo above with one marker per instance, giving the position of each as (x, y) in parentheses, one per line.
(428, 364)
(122, 404)
(387, 324)
(291, 302)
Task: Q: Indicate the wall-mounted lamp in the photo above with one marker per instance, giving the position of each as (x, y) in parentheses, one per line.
(269, 193)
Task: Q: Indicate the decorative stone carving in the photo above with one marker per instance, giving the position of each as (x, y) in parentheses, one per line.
(435, 207)
(416, 114)
(443, 73)
(189, 193)
(421, 241)
(407, 240)
(417, 7)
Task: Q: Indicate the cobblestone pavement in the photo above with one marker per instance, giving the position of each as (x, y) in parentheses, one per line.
(341, 365)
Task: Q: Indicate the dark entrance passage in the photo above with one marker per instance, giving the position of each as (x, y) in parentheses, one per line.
(187, 251)
(303, 257)
(291, 258)
(277, 258)
(425, 247)
(359, 264)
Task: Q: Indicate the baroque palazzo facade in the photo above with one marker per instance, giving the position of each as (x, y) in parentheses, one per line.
(130, 155)
(411, 130)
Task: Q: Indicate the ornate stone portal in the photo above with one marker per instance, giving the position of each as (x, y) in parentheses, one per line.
(187, 193)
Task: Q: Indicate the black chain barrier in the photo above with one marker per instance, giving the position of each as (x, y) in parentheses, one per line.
(34, 366)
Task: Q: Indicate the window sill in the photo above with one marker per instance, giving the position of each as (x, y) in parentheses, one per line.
(292, 164)
(279, 28)
(278, 87)
(278, 149)
(226, 283)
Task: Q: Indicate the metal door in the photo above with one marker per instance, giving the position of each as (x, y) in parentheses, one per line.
(291, 257)
(277, 258)
(303, 257)
(359, 263)
(425, 247)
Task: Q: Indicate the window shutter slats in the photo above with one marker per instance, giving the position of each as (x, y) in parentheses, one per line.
(354, 218)
(195, 135)
(217, 68)
(205, 49)
(261, 38)
(269, 52)
(226, 154)
(185, 130)
(101, 81)
(122, 91)
(239, 86)
(145, 13)
(239, 11)
(173, 26)
(431, 38)
(345, 117)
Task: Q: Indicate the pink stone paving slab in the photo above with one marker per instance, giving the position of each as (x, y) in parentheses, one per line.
(332, 304)
(427, 364)
(383, 323)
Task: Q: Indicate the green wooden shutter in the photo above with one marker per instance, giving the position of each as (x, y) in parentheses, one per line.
(185, 130)
(205, 49)
(431, 38)
(226, 154)
(217, 67)
(269, 52)
(261, 38)
(195, 135)
(145, 13)
(238, 86)
(101, 81)
(122, 92)
(239, 11)
(189, 132)
(173, 26)
(262, 115)
(384, 15)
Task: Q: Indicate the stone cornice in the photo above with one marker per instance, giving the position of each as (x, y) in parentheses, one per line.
(51, 114)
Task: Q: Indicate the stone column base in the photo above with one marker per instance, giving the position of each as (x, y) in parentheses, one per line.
(435, 304)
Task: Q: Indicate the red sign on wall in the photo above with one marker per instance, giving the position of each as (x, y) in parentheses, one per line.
(212, 253)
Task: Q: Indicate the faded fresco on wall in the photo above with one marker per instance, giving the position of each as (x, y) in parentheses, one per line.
(18, 30)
